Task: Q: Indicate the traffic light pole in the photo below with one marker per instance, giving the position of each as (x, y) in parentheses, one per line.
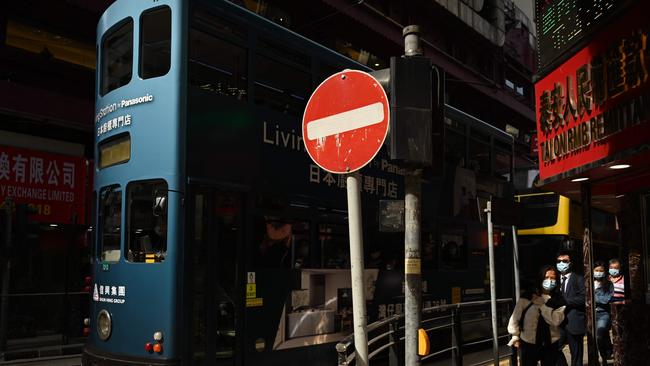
(412, 256)
(412, 266)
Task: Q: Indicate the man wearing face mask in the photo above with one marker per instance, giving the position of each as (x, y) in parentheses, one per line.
(573, 290)
(616, 277)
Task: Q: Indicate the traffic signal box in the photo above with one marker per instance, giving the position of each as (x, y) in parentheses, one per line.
(416, 92)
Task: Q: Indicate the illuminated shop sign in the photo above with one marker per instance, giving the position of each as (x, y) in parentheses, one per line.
(598, 102)
(53, 185)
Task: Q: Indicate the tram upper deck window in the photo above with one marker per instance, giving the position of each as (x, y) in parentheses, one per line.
(217, 62)
(116, 57)
(155, 42)
(110, 223)
(146, 221)
(282, 79)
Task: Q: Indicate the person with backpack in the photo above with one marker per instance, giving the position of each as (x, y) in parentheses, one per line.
(535, 321)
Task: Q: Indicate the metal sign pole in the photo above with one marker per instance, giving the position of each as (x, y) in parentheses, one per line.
(493, 291)
(412, 270)
(356, 269)
(515, 260)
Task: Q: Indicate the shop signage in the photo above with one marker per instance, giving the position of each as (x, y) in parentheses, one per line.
(53, 185)
(597, 103)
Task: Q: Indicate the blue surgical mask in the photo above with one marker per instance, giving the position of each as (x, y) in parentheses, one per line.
(599, 275)
(548, 284)
(563, 267)
(614, 272)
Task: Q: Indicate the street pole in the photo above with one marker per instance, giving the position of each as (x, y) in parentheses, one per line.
(493, 291)
(356, 269)
(515, 260)
(412, 266)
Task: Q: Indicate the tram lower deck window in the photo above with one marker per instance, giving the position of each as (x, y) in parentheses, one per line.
(146, 221)
(110, 223)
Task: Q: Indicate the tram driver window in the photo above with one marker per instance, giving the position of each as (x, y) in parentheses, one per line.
(147, 221)
(110, 222)
(116, 57)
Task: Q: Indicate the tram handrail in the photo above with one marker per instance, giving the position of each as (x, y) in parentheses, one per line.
(346, 354)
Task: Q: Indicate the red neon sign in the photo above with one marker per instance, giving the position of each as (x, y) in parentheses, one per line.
(597, 103)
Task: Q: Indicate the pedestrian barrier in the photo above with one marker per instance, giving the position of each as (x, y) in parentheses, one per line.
(452, 328)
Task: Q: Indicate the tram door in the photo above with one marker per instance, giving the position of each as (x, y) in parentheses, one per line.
(216, 299)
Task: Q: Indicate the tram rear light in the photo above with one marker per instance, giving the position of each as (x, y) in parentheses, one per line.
(86, 331)
(148, 347)
(157, 348)
(87, 280)
(87, 322)
(87, 289)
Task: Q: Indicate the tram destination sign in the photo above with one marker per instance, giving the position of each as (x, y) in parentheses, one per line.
(346, 121)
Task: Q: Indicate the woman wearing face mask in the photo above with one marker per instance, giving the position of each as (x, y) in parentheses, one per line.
(604, 290)
(616, 277)
(535, 321)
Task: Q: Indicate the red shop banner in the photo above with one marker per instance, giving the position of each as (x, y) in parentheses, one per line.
(597, 103)
(53, 185)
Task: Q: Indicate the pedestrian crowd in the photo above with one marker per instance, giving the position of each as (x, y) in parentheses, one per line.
(551, 313)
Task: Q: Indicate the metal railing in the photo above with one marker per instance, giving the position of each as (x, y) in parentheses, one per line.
(385, 337)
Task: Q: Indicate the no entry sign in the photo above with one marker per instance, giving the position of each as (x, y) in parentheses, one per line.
(345, 121)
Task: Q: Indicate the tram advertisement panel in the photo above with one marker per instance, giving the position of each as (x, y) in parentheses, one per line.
(53, 185)
(595, 104)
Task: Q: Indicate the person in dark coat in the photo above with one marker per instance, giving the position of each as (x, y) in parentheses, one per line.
(572, 287)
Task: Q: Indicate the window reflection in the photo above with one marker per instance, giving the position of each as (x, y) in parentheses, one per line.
(285, 244)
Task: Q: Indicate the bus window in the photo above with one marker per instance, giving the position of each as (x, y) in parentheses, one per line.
(147, 221)
(502, 163)
(110, 223)
(217, 65)
(155, 42)
(116, 57)
(539, 210)
(281, 87)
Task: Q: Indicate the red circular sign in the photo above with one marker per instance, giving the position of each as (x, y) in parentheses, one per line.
(345, 121)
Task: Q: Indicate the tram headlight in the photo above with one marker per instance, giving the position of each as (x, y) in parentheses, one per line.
(104, 325)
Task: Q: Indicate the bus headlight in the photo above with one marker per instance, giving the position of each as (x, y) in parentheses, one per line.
(104, 325)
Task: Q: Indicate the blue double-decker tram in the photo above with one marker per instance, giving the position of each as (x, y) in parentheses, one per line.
(218, 241)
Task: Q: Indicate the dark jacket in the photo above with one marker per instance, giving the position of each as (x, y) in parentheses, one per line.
(574, 295)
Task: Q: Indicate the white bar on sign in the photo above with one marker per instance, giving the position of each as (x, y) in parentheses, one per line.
(346, 121)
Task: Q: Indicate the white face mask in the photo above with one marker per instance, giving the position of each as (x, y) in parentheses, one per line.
(599, 275)
(548, 284)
